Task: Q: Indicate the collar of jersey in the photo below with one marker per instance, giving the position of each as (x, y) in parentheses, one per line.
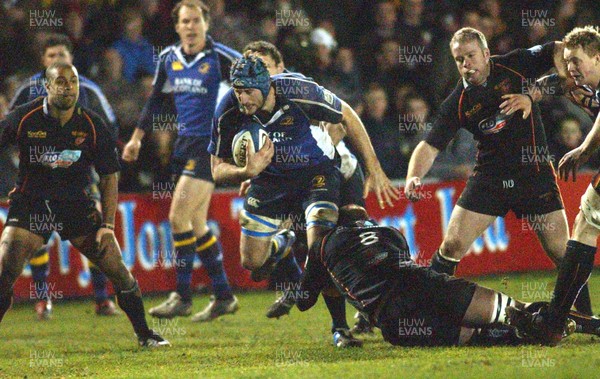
(283, 105)
(207, 50)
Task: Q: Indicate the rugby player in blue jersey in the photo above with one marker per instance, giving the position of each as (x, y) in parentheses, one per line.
(58, 47)
(350, 193)
(193, 71)
(296, 168)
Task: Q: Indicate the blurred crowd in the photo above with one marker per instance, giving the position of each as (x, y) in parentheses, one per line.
(390, 60)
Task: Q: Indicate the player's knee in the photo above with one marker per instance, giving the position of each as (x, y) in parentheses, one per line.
(321, 214)
(251, 262)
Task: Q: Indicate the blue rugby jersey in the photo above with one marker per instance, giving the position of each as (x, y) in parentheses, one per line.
(298, 144)
(90, 96)
(195, 85)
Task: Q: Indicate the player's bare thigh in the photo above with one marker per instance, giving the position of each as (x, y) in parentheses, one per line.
(587, 222)
(191, 199)
(17, 245)
(463, 229)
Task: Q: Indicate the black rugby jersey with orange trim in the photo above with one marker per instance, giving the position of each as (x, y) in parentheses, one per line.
(363, 262)
(55, 160)
(505, 143)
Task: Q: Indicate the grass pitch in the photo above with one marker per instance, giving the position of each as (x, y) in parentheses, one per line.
(77, 343)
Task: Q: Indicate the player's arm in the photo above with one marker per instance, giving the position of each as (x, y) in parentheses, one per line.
(225, 171)
(109, 192)
(375, 179)
(221, 162)
(444, 128)
(152, 107)
(571, 161)
(419, 165)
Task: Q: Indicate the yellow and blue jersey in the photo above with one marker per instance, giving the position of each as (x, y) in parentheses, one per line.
(195, 82)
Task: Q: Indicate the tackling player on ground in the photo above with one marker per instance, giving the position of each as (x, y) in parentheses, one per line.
(412, 305)
(59, 142)
(194, 71)
(514, 169)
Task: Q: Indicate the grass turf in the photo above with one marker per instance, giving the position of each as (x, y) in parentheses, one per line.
(77, 343)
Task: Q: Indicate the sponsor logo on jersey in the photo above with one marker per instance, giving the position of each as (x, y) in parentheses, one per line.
(38, 134)
(473, 110)
(287, 121)
(318, 181)
(495, 123)
(61, 159)
(176, 66)
(76, 133)
(204, 68)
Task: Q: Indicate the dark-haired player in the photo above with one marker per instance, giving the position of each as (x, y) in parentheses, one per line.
(412, 305)
(58, 47)
(59, 141)
(193, 72)
(296, 168)
(514, 171)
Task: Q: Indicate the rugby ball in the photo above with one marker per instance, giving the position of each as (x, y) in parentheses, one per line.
(251, 136)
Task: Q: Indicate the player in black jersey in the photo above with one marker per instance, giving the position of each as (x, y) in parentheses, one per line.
(413, 305)
(514, 169)
(59, 141)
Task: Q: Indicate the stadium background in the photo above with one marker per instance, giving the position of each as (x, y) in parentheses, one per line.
(388, 59)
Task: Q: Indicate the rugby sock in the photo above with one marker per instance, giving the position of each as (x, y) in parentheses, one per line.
(39, 273)
(292, 269)
(442, 264)
(573, 273)
(583, 303)
(99, 283)
(585, 324)
(131, 303)
(499, 312)
(5, 303)
(278, 243)
(185, 245)
(337, 309)
(211, 254)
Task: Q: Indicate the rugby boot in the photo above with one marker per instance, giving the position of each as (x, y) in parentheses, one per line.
(107, 308)
(362, 325)
(153, 340)
(281, 306)
(217, 308)
(342, 338)
(172, 307)
(43, 309)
